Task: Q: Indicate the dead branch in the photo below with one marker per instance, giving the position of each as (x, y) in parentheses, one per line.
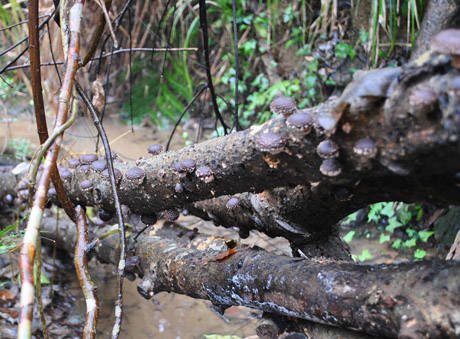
(84, 278)
(28, 246)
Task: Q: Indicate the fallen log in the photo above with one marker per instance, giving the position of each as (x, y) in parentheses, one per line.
(408, 141)
(408, 300)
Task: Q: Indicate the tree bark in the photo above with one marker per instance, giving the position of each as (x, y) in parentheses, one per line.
(439, 15)
(417, 160)
(413, 300)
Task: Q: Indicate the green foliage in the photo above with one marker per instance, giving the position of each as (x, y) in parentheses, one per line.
(21, 148)
(365, 255)
(8, 238)
(349, 236)
(419, 254)
(161, 100)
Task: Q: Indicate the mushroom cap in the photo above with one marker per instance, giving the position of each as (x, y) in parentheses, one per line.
(301, 121)
(365, 147)
(326, 122)
(187, 165)
(423, 99)
(270, 142)
(135, 173)
(155, 149)
(327, 149)
(171, 215)
(232, 203)
(116, 171)
(88, 158)
(204, 173)
(65, 173)
(149, 219)
(84, 168)
(447, 42)
(86, 184)
(105, 215)
(283, 105)
(330, 167)
(178, 188)
(73, 162)
(99, 165)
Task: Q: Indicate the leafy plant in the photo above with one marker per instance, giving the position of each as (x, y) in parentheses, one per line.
(21, 148)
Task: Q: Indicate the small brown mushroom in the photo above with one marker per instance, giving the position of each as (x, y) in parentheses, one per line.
(301, 121)
(178, 188)
(86, 185)
(73, 162)
(326, 123)
(187, 166)
(232, 203)
(205, 174)
(135, 174)
(171, 215)
(116, 171)
(105, 215)
(270, 142)
(155, 149)
(327, 149)
(448, 42)
(422, 101)
(365, 147)
(65, 173)
(330, 167)
(88, 158)
(84, 168)
(99, 165)
(149, 219)
(283, 105)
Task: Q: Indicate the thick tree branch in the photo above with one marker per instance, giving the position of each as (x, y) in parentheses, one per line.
(391, 300)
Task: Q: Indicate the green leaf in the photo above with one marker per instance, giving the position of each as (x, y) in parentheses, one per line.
(425, 235)
(393, 224)
(349, 236)
(310, 80)
(411, 232)
(388, 210)
(397, 244)
(351, 218)
(365, 255)
(410, 243)
(384, 238)
(419, 254)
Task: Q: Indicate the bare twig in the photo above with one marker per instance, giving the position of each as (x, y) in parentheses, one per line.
(237, 66)
(204, 31)
(81, 266)
(39, 107)
(95, 39)
(28, 247)
(121, 224)
(197, 95)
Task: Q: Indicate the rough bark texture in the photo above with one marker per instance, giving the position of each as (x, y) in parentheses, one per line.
(418, 155)
(412, 300)
(439, 15)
